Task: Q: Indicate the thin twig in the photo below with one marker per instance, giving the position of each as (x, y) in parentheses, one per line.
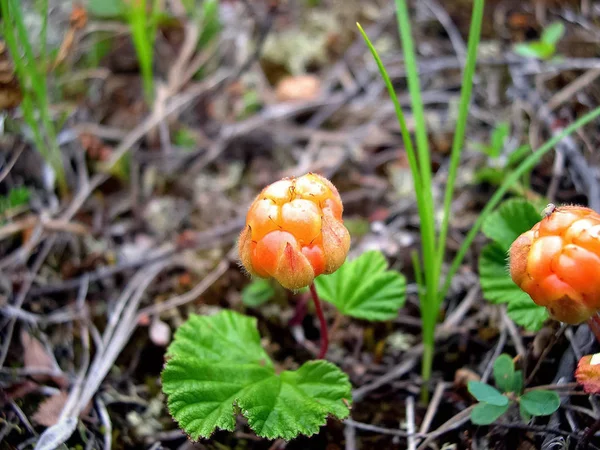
(11, 162)
(410, 423)
(433, 407)
(545, 352)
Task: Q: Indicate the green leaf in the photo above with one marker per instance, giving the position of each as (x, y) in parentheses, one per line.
(216, 367)
(539, 50)
(504, 371)
(492, 175)
(509, 221)
(518, 155)
(364, 288)
(527, 314)
(16, 197)
(553, 33)
(209, 22)
(524, 414)
(107, 8)
(257, 293)
(486, 393)
(498, 287)
(540, 402)
(485, 414)
(497, 139)
(517, 382)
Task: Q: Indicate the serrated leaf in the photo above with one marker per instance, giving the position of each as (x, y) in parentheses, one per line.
(216, 366)
(258, 292)
(498, 288)
(486, 393)
(527, 314)
(509, 221)
(504, 371)
(553, 33)
(540, 402)
(485, 414)
(364, 288)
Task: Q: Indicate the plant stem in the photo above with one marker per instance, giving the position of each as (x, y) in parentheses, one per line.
(322, 322)
(594, 324)
(426, 370)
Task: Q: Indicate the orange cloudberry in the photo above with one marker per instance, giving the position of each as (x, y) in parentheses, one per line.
(294, 231)
(557, 263)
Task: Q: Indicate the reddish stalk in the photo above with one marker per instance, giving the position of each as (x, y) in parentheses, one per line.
(323, 323)
(594, 324)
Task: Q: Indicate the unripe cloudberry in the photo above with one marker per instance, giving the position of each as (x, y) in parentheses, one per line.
(294, 231)
(557, 263)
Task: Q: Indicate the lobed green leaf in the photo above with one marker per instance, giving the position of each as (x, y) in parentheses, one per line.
(216, 367)
(364, 288)
(498, 287)
(509, 221)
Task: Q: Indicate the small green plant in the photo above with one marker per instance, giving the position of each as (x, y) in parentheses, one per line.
(143, 25)
(495, 402)
(497, 140)
(216, 369)
(16, 197)
(258, 292)
(31, 72)
(545, 48)
(498, 164)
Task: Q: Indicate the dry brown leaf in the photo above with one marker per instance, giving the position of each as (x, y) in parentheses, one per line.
(298, 88)
(35, 355)
(49, 410)
(463, 376)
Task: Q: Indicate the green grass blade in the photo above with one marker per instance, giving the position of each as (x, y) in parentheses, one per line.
(140, 33)
(527, 165)
(459, 135)
(428, 301)
(412, 75)
(406, 138)
(44, 38)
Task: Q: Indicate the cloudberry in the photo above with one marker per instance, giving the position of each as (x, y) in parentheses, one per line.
(295, 232)
(557, 263)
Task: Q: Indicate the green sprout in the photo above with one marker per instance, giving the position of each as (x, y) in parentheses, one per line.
(545, 47)
(495, 402)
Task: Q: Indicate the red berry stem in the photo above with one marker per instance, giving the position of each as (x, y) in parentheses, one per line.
(323, 323)
(594, 324)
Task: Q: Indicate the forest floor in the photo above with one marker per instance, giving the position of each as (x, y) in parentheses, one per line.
(94, 281)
